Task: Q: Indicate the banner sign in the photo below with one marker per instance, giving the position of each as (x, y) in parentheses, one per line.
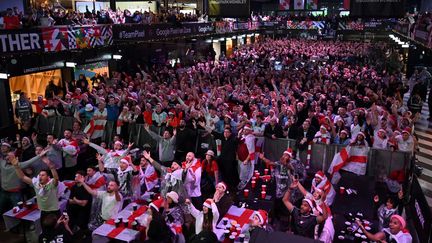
(419, 212)
(305, 25)
(20, 40)
(245, 26)
(129, 32)
(229, 8)
(377, 8)
(150, 32)
(53, 39)
(425, 37)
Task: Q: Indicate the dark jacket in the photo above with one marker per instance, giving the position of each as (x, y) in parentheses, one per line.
(227, 161)
(276, 130)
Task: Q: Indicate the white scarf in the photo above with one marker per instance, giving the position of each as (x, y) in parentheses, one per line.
(173, 177)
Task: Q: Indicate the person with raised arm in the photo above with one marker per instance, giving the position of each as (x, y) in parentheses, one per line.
(171, 177)
(11, 185)
(206, 219)
(303, 218)
(111, 202)
(123, 174)
(166, 144)
(45, 187)
(396, 231)
(111, 158)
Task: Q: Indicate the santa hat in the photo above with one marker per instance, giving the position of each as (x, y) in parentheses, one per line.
(26, 138)
(320, 174)
(6, 144)
(361, 133)
(382, 130)
(118, 143)
(262, 216)
(228, 116)
(407, 130)
(247, 127)
(344, 131)
(207, 203)
(400, 219)
(223, 185)
(156, 204)
(323, 127)
(124, 161)
(288, 152)
(310, 203)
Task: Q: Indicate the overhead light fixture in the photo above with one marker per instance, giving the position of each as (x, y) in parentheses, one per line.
(215, 41)
(209, 41)
(71, 64)
(234, 37)
(222, 39)
(4, 75)
(194, 40)
(117, 57)
(405, 46)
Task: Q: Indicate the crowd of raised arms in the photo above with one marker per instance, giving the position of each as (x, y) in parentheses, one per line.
(328, 92)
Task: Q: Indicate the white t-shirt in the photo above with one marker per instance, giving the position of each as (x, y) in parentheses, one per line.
(110, 207)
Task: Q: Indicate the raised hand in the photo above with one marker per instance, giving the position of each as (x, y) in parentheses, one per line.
(146, 155)
(34, 136)
(43, 153)
(99, 157)
(86, 141)
(130, 145)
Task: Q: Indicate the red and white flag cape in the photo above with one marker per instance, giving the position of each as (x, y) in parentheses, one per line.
(350, 158)
(95, 128)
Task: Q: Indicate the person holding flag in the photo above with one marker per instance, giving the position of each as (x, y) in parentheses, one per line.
(352, 158)
(95, 128)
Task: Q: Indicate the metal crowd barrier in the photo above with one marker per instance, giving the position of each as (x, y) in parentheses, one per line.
(380, 162)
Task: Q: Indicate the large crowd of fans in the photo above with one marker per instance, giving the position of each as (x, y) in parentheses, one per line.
(12, 18)
(326, 92)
